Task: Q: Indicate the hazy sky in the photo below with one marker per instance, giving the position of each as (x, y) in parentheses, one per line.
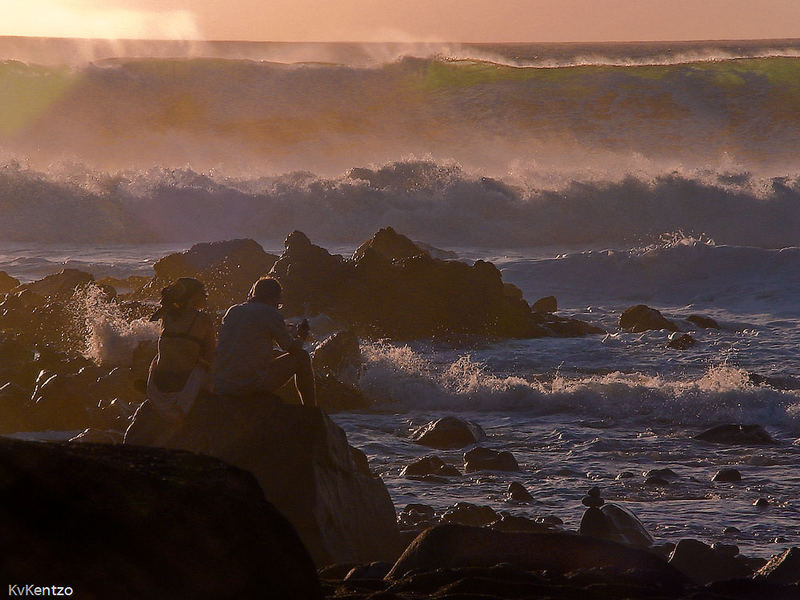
(405, 20)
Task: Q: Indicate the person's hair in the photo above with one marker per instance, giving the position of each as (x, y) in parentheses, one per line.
(176, 296)
(265, 289)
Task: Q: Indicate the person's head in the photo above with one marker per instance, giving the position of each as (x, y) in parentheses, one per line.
(185, 293)
(266, 290)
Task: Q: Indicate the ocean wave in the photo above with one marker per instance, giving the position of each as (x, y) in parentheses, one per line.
(398, 377)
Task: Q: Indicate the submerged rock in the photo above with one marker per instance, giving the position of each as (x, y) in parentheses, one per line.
(129, 523)
(727, 476)
(448, 432)
(681, 342)
(517, 493)
(306, 468)
(643, 318)
(704, 322)
(744, 435)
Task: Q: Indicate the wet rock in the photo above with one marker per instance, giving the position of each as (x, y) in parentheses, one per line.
(703, 565)
(665, 473)
(783, 568)
(509, 522)
(549, 520)
(548, 304)
(60, 402)
(450, 546)
(761, 503)
(704, 322)
(340, 356)
(731, 531)
(15, 409)
(448, 432)
(729, 550)
(111, 521)
(61, 285)
(337, 396)
(430, 465)
(518, 494)
(307, 470)
(643, 318)
(681, 342)
(655, 480)
(486, 459)
(737, 434)
(416, 516)
(612, 522)
(624, 475)
(592, 499)
(466, 513)
(7, 282)
(98, 436)
(390, 245)
(227, 268)
(373, 570)
(727, 476)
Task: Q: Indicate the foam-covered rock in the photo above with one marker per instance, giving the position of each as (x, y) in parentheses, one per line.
(306, 468)
(129, 523)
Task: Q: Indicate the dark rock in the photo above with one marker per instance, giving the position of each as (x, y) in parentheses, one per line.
(392, 288)
(453, 546)
(227, 268)
(486, 459)
(729, 550)
(655, 480)
(448, 432)
(62, 284)
(681, 342)
(336, 396)
(339, 355)
(129, 523)
(750, 589)
(416, 516)
(549, 520)
(15, 409)
(518, 494)
(7, 282)
(744, 435)
(547, 304)
(305, 467)
(643, 318)
(731, 531)
(98, 436)
(466, 513)
(761, 503)
(727, 476)
(624, 527)
(374, 570)
(430, 465)
(783, 568)
(665, 473)
(624, 475)
(592, 499)
(703, 565)
(508, 522)
(704, 322)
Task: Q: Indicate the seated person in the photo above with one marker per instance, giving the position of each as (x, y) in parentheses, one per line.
(181, 369)
(245, 358)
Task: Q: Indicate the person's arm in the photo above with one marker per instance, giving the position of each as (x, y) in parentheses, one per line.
(280, 333)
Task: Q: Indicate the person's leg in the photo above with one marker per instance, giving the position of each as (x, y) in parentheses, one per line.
(298, 364)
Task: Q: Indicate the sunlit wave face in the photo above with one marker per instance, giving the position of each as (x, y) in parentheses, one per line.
(85, 19)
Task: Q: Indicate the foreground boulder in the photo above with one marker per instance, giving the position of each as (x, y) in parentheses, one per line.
(641, 318)
(704, 564)
(306, 468)
(737, 434)
(129, 523)
(394, 288)
(452, 546)
(783, 568)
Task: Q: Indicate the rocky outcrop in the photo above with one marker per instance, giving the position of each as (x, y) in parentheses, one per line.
(641, 318)
(783, 568)
(7, 282)
(306, 468)
(448, 432)
(393, 288)
(453, 546)
(704, 564)
(129, 523)
(227, 268)
(737, 435)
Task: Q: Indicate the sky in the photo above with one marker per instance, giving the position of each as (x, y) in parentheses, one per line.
(405, 20)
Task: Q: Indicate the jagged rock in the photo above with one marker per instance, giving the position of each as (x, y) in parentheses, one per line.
(7, 282)
(307, 470)
(448, 432)
(486, 459)
(451, 546)
(227, 268)
(339, 355)
(727, 476)
(466, 513)
(783, 568)
(681, 342)
(704, 322)
(548, 304)
(62, 284)
(129, 523)
(429, 465)
(744, 435)
(703, 565)
(393, 288)
(518, 494)
(643, 318)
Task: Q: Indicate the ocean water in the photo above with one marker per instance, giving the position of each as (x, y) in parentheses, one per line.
(607, 175)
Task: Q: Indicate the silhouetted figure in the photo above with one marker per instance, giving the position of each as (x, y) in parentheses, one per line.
(245, 358)
(181, 370)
